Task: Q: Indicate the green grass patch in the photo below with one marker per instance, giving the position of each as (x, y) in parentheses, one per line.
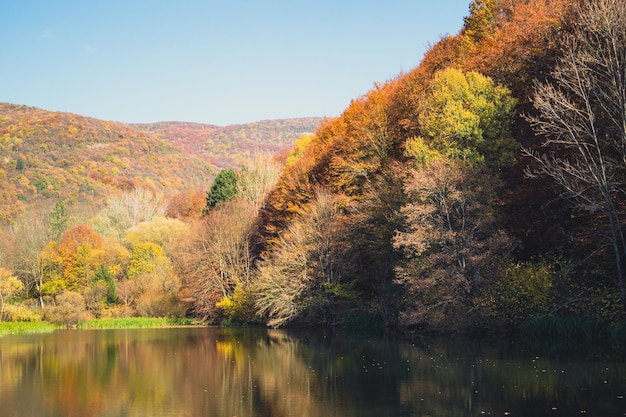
(134, 323)
(23, 327)
(12, 327)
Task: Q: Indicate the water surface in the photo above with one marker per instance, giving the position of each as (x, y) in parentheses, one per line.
(192, 372)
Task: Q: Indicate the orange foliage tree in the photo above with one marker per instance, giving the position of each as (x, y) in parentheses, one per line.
(70, 264)
(186, 204)
(514, 41)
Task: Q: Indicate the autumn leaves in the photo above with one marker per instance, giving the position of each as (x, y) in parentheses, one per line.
(392, 213)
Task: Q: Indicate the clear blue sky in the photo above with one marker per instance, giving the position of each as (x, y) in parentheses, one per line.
(219, 62)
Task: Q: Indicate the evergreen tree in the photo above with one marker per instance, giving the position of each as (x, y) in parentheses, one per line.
(57, 221)
(103, 274)
(224, 188)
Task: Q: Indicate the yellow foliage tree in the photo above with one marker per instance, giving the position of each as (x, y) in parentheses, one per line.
(468, 116)
(9, 286)
(144, 259)
(70, 264)
(159, 230)
(152, 286)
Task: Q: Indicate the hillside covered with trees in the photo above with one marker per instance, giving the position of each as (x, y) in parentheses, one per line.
(480, 191)
(48, 155)
(231, 146)
(53, 155)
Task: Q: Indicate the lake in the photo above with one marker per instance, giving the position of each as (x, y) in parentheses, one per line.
(250, 372)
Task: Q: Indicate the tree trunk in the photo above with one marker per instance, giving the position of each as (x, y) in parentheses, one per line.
(617, 240)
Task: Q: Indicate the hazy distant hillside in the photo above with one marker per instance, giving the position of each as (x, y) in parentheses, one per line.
(49, 155)
(229, 146)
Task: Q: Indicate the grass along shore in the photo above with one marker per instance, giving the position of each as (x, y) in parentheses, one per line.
(23, 327)
(14, 328)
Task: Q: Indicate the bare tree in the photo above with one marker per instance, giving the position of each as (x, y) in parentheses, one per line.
(258, 177)
(217, 256)
(284, 278)
(126, 210)
(22, 246)
(582, 116)
(300, 278)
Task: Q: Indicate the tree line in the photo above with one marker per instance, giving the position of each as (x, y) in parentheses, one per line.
(480, 190)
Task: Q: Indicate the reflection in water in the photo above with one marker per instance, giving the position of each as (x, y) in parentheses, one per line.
(258, 372)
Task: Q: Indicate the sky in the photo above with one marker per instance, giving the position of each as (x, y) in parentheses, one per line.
(207, 61)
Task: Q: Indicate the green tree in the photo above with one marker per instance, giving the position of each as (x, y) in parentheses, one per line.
(104, 275)
(224, 188)
(58, 219)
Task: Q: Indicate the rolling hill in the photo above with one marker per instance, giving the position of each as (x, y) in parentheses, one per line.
(46, 155)
(229, 146)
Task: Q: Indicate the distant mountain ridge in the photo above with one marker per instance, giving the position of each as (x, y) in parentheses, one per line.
(229, 146)
(46, 155)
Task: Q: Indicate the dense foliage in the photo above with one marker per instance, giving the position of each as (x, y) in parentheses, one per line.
(432, 202)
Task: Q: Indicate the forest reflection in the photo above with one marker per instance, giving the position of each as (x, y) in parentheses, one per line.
(260, 372)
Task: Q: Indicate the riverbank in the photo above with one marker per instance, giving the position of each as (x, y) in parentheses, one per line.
(14, 328)
(24, 327)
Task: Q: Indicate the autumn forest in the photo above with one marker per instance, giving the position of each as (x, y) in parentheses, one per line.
(480, 191)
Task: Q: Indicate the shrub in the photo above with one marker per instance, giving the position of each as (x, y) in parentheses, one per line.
(20, 313)
(70, 308)
(159, 305)
(238, 305)
(523, 293)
